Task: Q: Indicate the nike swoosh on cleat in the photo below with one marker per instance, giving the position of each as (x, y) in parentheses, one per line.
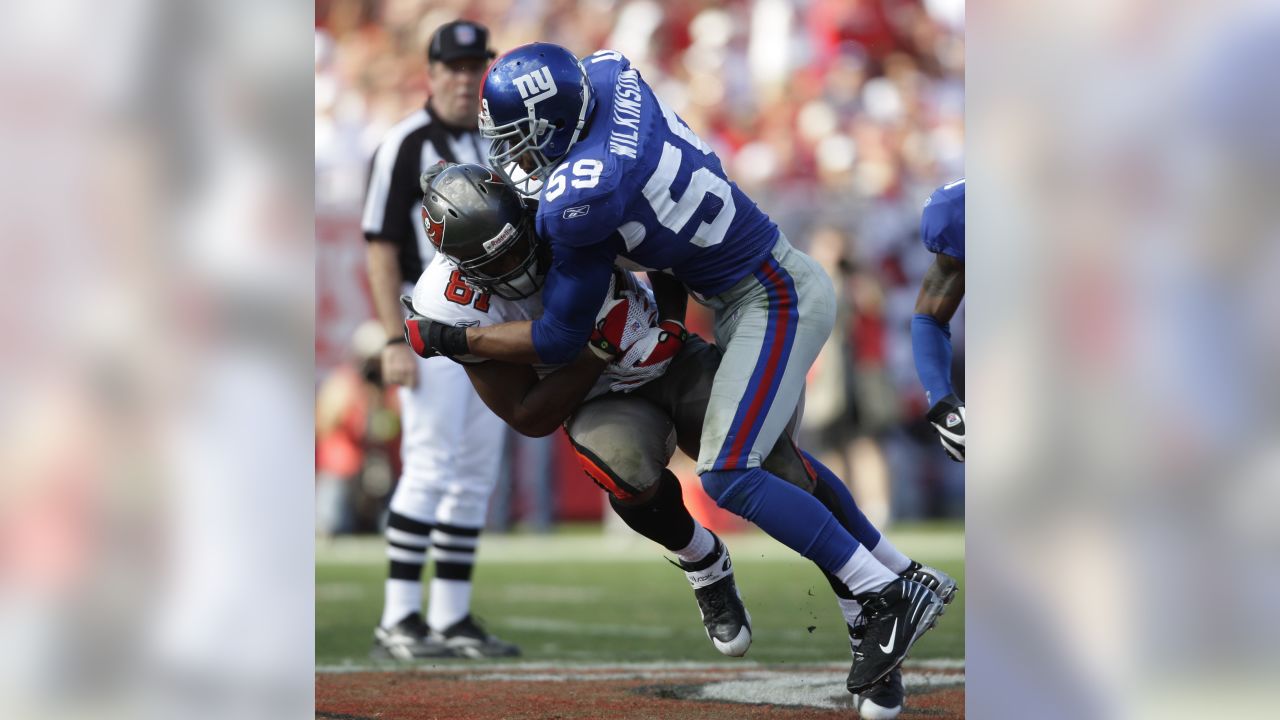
(892, 636)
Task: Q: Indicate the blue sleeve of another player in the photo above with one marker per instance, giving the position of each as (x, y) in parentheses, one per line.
(931, 345)
(571, 297)
(940, 231)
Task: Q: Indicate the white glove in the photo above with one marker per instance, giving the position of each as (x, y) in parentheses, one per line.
(649, 357)
(947, 417)
(627, 314)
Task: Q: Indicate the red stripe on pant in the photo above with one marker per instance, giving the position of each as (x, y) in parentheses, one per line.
(764, 390)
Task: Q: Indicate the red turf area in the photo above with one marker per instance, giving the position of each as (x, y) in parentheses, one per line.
(426, 696)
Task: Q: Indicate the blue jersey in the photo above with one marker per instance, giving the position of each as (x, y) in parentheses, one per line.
(942, 222)
(641, 185)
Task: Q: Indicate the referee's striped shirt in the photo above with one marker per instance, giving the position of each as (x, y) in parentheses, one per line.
(391, 205)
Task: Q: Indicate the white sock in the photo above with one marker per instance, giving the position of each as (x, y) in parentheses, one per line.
(402, 597)
(888, 555)
(450, 602)
(851, 610)
(863, 573)
(699, 547)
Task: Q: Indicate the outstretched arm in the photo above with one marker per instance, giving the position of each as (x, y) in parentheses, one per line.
(510, 342)
(572, 294)
(531, 406)
(940, 296)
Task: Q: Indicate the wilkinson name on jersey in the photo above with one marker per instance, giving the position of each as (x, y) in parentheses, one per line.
(624, 138)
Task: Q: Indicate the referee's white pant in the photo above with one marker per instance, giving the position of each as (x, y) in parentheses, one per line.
(451, 447)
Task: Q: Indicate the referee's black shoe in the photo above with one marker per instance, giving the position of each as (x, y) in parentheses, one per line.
(409, 639)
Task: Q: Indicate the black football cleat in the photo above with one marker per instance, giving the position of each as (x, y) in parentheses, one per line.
(884, 700)
(724, 616)
(942, 584)
(407, 640)
(896, 618)
(466, 638)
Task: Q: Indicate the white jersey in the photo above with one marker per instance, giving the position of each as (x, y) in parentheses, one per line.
(443, 296)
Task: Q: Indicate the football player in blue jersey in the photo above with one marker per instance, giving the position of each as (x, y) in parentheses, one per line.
(621, 427)
(942, 229)
(620, 178)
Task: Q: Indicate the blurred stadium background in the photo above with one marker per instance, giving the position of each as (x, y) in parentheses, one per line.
(839, 117)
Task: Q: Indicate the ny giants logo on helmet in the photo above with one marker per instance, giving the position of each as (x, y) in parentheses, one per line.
(535, 86)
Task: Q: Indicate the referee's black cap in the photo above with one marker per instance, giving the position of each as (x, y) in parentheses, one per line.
(459, 40)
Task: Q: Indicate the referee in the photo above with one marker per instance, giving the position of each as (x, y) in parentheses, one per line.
(451, 444)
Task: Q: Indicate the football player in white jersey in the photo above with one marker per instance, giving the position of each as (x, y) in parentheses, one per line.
(621, 415)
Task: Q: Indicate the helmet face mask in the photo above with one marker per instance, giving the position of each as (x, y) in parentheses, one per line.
(479, 223)
(534, 103)
(516, 268)
(518, 144)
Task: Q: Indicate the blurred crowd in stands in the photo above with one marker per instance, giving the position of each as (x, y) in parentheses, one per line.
(838, 117)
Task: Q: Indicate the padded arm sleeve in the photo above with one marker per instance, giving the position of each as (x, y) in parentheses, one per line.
(573, 293)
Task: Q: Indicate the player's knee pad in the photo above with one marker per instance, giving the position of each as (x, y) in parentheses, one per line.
(732, 489)
(623, 487)
(623, 444)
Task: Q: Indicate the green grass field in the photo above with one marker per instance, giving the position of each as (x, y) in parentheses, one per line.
(581, 595)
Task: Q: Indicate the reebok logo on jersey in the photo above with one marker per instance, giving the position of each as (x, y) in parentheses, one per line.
(575, 212)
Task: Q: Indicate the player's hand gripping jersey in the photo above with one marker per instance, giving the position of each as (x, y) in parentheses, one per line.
(638, 184)
(442, 295)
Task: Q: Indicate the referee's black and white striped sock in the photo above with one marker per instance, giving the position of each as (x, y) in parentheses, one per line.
(407, 543)
(455, 552)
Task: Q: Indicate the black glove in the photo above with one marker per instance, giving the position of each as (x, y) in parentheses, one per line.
(424, 180)
(429, 338)
(947, 416)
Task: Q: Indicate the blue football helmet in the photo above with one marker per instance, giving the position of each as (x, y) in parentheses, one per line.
(534, 102)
